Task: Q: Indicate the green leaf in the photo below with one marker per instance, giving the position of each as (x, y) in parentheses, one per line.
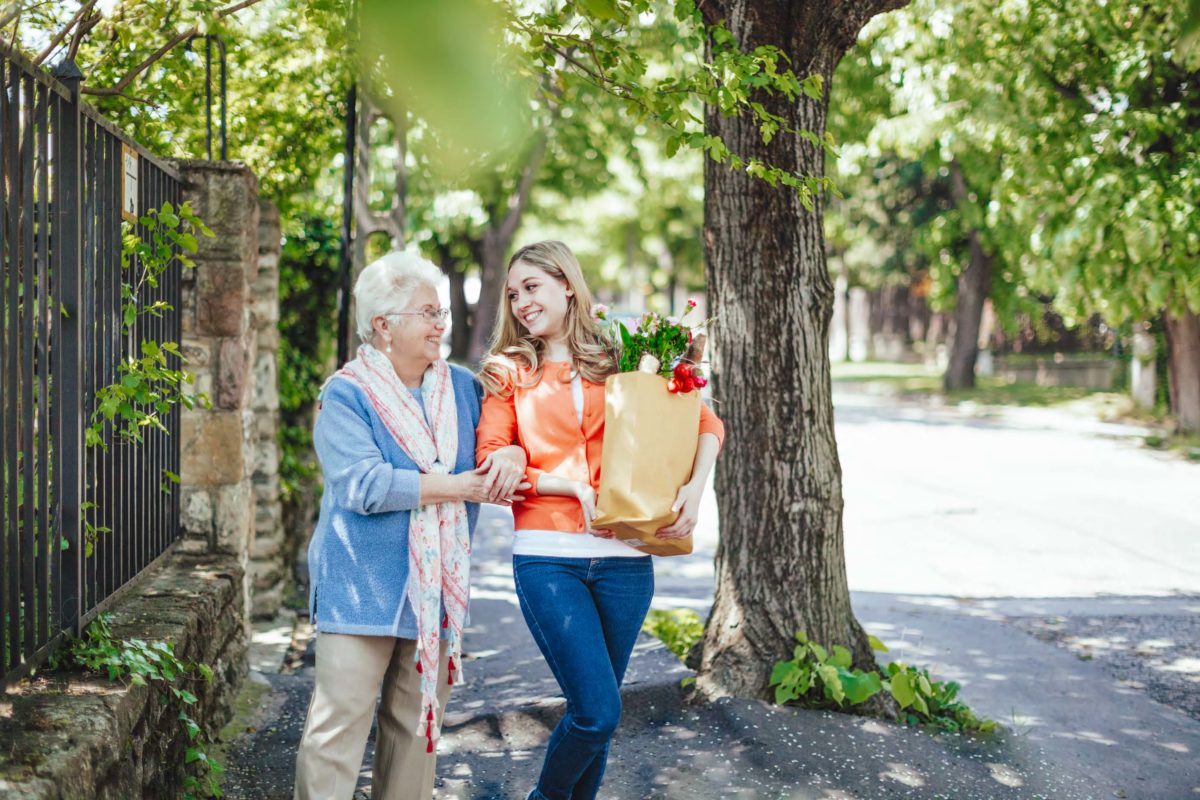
(833, 682)
(901, 688)
(841, 657)
(600, 9)
(781, 671)
(877, 645)
(860, 686)
(813, 86)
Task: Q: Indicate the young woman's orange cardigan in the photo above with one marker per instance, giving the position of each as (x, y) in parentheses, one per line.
(542, 420)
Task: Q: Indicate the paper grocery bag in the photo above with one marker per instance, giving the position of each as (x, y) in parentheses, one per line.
(650, 440)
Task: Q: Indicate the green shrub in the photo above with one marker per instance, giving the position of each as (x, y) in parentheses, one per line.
(814, 670)
(815, 677)
(679, 629)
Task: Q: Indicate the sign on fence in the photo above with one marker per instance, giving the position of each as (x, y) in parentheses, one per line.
(129, 187)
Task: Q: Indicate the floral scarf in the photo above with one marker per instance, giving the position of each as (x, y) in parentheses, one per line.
(439, 545)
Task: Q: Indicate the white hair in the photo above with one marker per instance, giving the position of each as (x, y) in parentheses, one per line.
(386, 284)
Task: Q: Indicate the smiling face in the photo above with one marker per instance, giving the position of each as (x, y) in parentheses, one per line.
(412, 336)
(538, 301)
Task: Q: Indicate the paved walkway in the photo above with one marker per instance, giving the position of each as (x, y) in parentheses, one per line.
(1070, 679)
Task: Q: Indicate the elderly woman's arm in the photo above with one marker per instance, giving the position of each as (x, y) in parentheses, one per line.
(357, 474)
(469, 486)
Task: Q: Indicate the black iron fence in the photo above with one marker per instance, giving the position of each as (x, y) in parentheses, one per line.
(78, 521)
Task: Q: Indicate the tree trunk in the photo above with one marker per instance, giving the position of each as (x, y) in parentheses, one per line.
(460, 310)
(1183, 368)
(491, 253)
(780, 565)
(974, 286)
(492, 248)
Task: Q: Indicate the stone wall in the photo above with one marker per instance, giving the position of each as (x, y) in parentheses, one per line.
(219, 345)
(230, 484)
(69, 735)
(267, 570)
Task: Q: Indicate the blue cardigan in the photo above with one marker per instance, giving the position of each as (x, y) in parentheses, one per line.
(358, 556)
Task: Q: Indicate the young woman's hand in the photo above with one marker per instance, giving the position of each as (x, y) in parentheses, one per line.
(587, 501)
(687, 503)
(505, 471)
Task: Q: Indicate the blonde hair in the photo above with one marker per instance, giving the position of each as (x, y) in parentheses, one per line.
(512, 346)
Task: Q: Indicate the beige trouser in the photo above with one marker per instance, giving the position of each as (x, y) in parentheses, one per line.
(350, 671)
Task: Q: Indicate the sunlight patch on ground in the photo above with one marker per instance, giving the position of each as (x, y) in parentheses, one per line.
(902, 773)
(1005, 775)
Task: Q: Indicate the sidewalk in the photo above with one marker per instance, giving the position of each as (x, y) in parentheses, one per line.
(1073, 730)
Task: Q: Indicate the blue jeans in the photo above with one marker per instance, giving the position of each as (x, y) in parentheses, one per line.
(585, 614)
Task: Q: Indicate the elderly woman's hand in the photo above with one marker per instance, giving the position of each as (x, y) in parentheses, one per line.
(473, 488)
(505, 470)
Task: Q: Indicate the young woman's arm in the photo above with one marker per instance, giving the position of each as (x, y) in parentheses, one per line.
(562, 487)
(507, 462)
(687, 502)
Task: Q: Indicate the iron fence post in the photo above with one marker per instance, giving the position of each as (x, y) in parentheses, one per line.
(69, 366)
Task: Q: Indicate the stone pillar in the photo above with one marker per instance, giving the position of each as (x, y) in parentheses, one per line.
(219, 346)
(1142, 368)
(266, 547)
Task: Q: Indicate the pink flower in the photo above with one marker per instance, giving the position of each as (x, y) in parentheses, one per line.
(600, 311)
(691, 303)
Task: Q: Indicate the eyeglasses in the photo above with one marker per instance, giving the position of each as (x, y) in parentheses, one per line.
(431, 315)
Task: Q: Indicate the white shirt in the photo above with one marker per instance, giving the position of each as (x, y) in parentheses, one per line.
(562, 544)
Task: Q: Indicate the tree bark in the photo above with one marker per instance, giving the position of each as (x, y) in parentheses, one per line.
(460, 310)
(492, 250)
(780, 565)
(1183, 368)
(974, 286)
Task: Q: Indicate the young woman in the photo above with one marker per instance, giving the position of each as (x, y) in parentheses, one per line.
(584, 594)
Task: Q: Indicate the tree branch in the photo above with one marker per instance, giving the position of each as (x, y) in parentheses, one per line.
(85, 27)
(10, 12)
(12, 42)
(108, 91)
(58, 37)
(518, 202)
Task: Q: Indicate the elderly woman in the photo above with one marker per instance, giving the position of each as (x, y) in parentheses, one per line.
(390, 556)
